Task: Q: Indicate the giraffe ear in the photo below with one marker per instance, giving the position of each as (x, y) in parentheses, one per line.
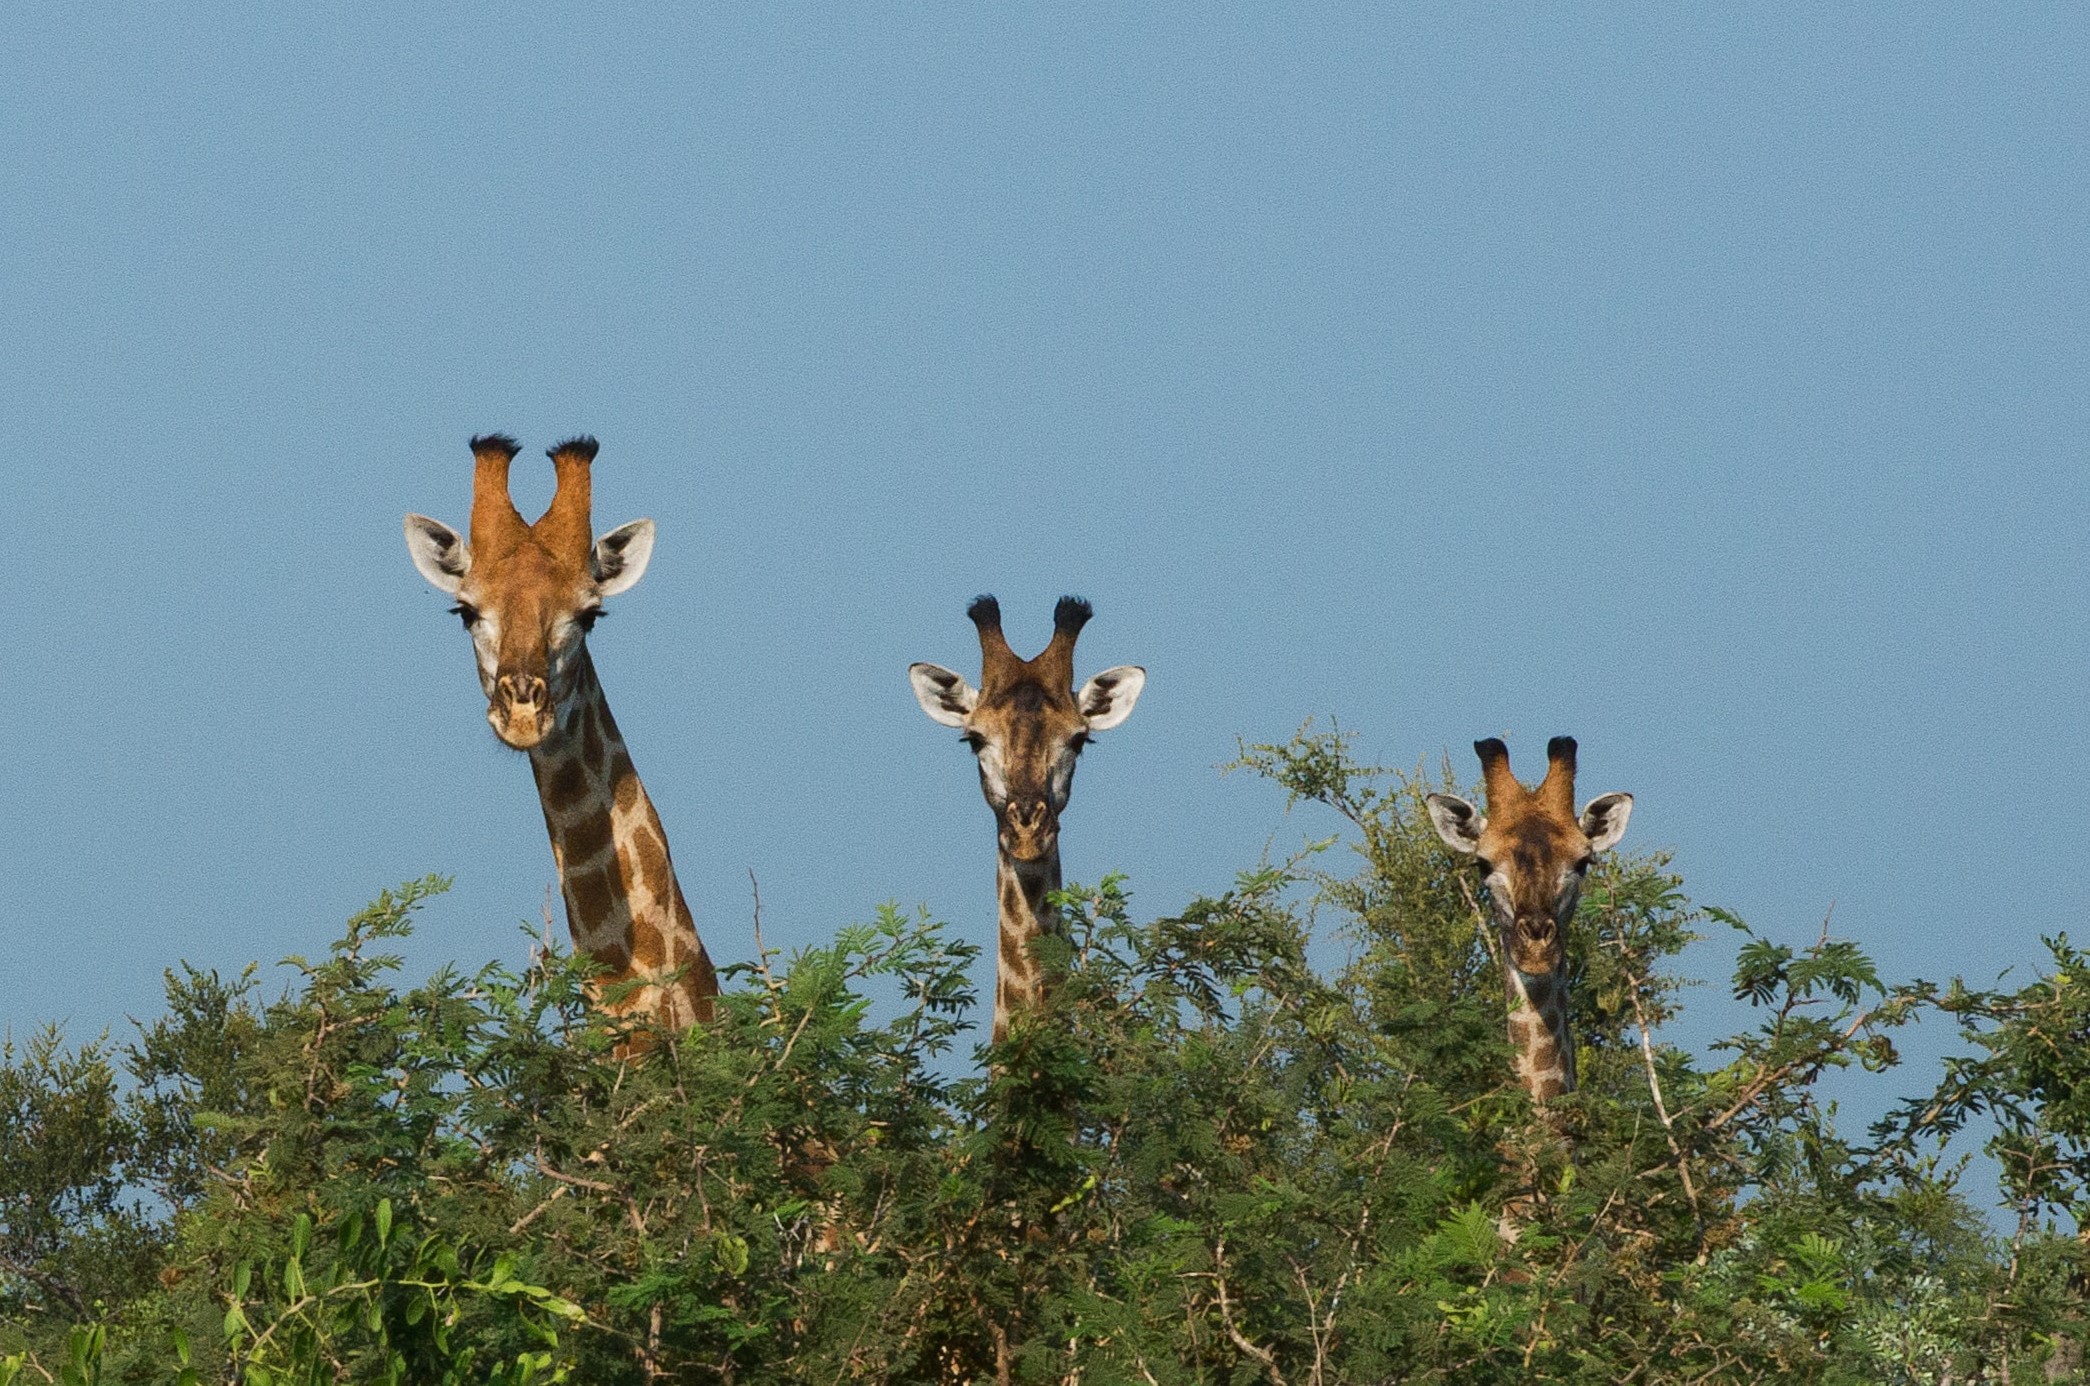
(438, 551)
(1106, 700)
(945, 696)
(1604, 820)
(1456, 821)
(619, 558)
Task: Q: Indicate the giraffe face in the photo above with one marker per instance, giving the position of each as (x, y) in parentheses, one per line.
(529, 614)
(1534, 853)
(1027, 726)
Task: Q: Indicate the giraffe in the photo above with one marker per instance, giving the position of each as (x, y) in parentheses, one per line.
(1027, 726)
(1534, 853)
(529, 594)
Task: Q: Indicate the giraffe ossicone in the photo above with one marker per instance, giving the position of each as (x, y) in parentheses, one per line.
(1026, 724)
(529, 593)
(1534, 851)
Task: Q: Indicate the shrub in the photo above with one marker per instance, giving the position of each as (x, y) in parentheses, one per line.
(1212, 1156)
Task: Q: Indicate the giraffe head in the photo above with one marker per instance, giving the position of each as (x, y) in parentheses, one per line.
(1533, 847)
(1026, 722)
(529, 593)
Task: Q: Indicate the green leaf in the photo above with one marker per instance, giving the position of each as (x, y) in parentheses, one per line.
(1088, 1186)
(564, 1308)
(84, 1348)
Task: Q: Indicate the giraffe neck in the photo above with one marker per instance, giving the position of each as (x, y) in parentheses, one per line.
(623, 903)
(1541, 1047)
(1019, 978)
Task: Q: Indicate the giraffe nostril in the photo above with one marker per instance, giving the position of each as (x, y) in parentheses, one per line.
(521, 691)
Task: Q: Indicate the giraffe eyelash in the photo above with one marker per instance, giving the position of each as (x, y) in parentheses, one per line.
(467, 613)
(587, 619)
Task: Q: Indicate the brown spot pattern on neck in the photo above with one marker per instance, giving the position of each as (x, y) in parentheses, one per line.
(623, 904)
(1019, 978)
(1542, 1047)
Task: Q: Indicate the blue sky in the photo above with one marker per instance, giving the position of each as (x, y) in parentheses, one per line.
(1709, 386)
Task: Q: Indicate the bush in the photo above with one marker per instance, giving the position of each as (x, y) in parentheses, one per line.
(1206, 1159)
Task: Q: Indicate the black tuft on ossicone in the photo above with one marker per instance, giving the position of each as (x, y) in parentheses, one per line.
(1491, 750)
(583, 446)
(1562, 748)
(1071, 614)
(501, 443)
(984, 612)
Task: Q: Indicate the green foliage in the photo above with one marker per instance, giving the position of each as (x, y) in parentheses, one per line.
(1207, 1159)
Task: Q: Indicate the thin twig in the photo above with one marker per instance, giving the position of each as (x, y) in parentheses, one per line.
(631, 1205)
(1765, 1077)
(527, 1218)
(761, 948)
(1654, 1086)
(1226, 1317)
(1480, 919)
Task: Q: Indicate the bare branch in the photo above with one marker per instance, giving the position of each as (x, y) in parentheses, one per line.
(1226, 1317)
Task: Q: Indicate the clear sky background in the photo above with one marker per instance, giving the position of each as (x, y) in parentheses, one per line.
(1708, 386)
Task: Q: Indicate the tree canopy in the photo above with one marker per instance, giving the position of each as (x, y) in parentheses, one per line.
(1212, 1156)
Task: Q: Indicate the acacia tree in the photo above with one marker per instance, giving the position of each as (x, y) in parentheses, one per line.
(1272, 1137)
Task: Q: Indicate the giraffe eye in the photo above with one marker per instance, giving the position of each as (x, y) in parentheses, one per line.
(467, 613)
(586, 619)
(1079, 742)
(973, 740)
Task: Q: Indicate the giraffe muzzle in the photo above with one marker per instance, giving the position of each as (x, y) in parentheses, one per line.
(1534, 946)
(521, 710)
(1029, 829)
